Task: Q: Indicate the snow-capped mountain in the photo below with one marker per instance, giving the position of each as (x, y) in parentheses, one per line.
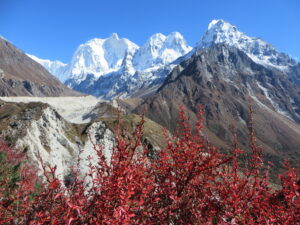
(99, 57)
(56, 67)
(160, 50)
(220, 31)
(140, 69)
(113, 66)
(263, 53)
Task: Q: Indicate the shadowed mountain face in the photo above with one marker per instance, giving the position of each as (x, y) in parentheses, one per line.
(223, 79)
(22, 76)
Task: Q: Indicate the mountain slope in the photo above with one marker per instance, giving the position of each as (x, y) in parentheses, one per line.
(223, 79)
(20, 75)
(37, 129)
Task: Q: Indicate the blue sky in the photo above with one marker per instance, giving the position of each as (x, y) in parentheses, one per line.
(53, 29)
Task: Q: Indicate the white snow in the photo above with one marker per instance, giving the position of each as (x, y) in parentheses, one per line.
(71, 109)
(295, 107)
(274, 104)
(99, 57)
(266, 62)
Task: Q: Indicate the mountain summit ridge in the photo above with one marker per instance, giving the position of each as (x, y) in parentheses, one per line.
(125, 69)
(220, 31)
(105, 59)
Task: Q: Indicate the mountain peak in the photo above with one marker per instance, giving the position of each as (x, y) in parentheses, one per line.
(93, 41)
(114, 36)
(176, 41)
(220, 31)
(213, 22)
(175, 38)
(99, 56)
(156, 39)
(175, 35)
(160, 50)
(219, 23)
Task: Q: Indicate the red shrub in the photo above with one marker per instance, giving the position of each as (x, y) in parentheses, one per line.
(16, 186)
(188, 182)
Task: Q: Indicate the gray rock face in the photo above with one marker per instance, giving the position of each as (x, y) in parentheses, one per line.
(39, 129)
(222, 63)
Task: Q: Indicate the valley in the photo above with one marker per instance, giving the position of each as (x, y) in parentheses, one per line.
(149, 112)
(226, 71)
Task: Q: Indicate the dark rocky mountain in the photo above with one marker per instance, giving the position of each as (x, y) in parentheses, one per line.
(22, 76)
(223, 79)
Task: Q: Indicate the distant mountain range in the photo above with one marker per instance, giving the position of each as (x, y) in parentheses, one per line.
(113, 67)
(110, 67)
